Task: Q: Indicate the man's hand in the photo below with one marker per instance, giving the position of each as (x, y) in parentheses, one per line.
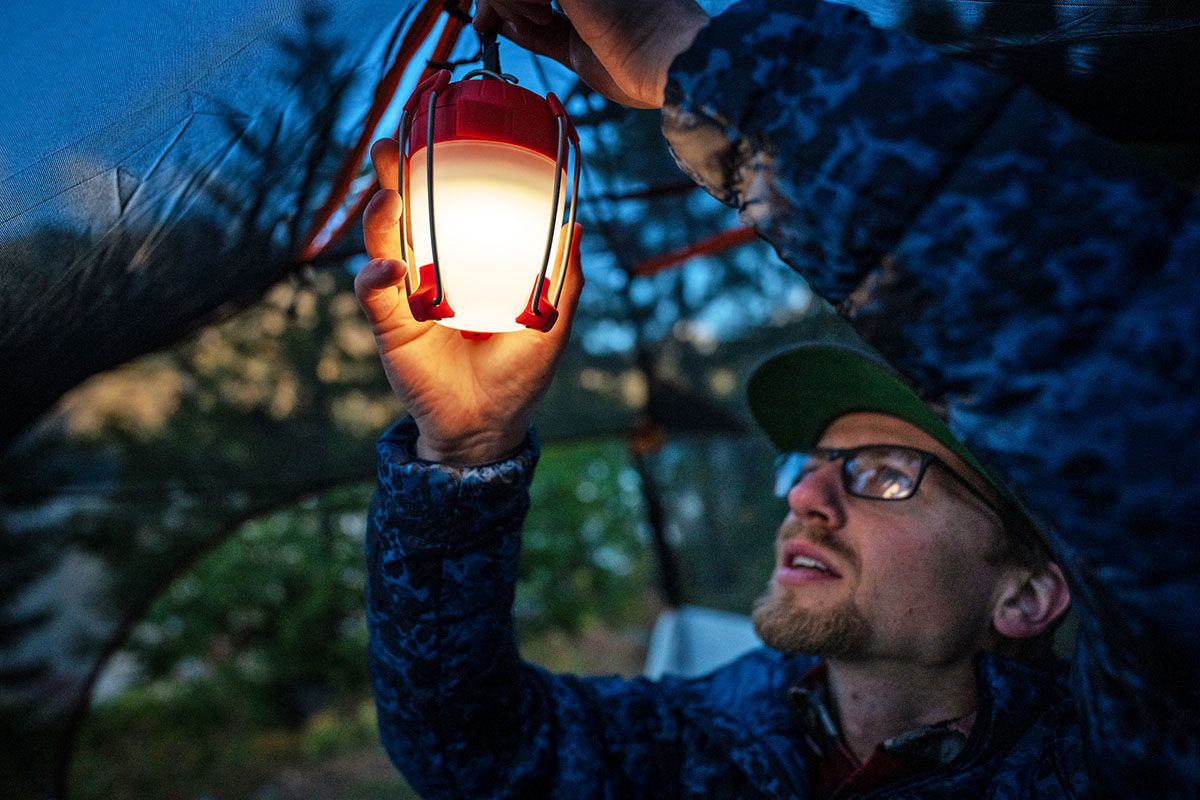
(621, 48)
(472, 400)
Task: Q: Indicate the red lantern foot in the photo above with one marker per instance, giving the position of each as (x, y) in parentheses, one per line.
(423, 301)
(545, 316)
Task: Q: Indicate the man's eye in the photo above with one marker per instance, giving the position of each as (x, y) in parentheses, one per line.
(883, 481)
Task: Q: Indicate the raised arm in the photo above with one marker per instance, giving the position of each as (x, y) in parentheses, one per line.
(1027, 275)
(1024, 273)
(459, 713)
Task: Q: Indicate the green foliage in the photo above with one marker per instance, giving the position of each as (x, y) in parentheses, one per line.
(204, 740)
(252, 668)
(583, 561)
(276, 612)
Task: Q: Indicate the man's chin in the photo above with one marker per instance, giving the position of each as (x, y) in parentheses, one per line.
(837, 632)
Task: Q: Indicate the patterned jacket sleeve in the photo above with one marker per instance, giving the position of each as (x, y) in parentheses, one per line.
(1026, 275)
(459, 713)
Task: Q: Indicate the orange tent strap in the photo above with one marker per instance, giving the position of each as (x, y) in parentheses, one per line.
(712, 244)
(416, 35)
(441, 52)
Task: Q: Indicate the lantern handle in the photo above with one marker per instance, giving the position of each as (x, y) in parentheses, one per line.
(434, 83)
(570, 223)
(422, 305)
(558, 171)
(541, 312)
(402, 190)
(429, 148)
(561, 114)
(487, 73)
(566, 132)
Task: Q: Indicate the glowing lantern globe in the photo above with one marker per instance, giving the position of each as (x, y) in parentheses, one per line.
(484, 203)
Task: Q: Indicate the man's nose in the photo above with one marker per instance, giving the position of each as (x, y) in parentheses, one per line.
(819, 496)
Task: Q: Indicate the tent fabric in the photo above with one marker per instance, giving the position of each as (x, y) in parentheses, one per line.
(106, 96)
(691, 641)
(109, 96)
(1122, 67)
(160, 162)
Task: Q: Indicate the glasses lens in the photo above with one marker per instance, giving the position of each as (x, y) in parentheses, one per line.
(883, 473)
(791, 468)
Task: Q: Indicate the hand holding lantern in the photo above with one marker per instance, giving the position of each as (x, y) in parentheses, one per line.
(472, 400)
(621, 48)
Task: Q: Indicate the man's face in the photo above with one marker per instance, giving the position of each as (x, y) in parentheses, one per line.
(861, 579)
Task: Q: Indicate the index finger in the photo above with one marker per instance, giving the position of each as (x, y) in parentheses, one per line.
(381, 228)
(385, 158)
(377, 287)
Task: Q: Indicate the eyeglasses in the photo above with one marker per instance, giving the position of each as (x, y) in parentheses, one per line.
(872, 471)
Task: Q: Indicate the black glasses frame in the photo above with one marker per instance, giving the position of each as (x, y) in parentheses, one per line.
(846, 454)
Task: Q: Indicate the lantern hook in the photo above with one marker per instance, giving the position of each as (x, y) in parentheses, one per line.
(489, 47)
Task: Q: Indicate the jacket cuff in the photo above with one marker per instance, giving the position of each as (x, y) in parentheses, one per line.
(423, 505)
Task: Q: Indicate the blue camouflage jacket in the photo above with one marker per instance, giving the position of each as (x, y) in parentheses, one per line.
(463, 717)
(1028, 276)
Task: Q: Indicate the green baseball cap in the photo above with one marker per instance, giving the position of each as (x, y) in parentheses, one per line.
(795, 395)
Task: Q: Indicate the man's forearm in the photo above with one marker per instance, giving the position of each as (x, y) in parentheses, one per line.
(442, 547)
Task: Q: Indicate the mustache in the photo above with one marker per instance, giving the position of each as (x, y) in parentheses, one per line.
(818, 535)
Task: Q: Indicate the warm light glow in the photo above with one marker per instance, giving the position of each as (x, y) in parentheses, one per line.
(492, 211)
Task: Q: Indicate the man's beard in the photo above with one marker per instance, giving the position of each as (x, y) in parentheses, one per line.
(840, 632)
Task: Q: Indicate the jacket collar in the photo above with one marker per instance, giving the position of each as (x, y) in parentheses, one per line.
(1011, 696)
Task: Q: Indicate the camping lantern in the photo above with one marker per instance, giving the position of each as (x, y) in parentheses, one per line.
(482, 172)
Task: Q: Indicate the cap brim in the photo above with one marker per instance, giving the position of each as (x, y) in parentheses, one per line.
(795, 395)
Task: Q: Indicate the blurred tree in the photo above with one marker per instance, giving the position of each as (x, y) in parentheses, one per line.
(145, 468)
(209, 240)
(285, 622)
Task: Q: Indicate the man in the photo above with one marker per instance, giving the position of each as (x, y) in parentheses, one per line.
(1037, 285)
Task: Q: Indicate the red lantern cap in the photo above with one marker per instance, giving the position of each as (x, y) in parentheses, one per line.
(487, 110)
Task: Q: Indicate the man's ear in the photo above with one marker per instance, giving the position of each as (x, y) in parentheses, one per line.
(1030, 602)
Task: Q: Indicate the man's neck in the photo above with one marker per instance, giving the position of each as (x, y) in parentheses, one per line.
(875, 702)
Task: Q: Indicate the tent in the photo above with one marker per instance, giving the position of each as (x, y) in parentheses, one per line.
(163, 166)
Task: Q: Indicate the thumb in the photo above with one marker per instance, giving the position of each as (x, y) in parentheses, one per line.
(559, 40)
(582, 60)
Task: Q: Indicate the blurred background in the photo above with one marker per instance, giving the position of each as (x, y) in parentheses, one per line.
(189, 396)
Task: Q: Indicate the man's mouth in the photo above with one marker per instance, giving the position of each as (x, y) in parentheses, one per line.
(800, 561)
(804, 562)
